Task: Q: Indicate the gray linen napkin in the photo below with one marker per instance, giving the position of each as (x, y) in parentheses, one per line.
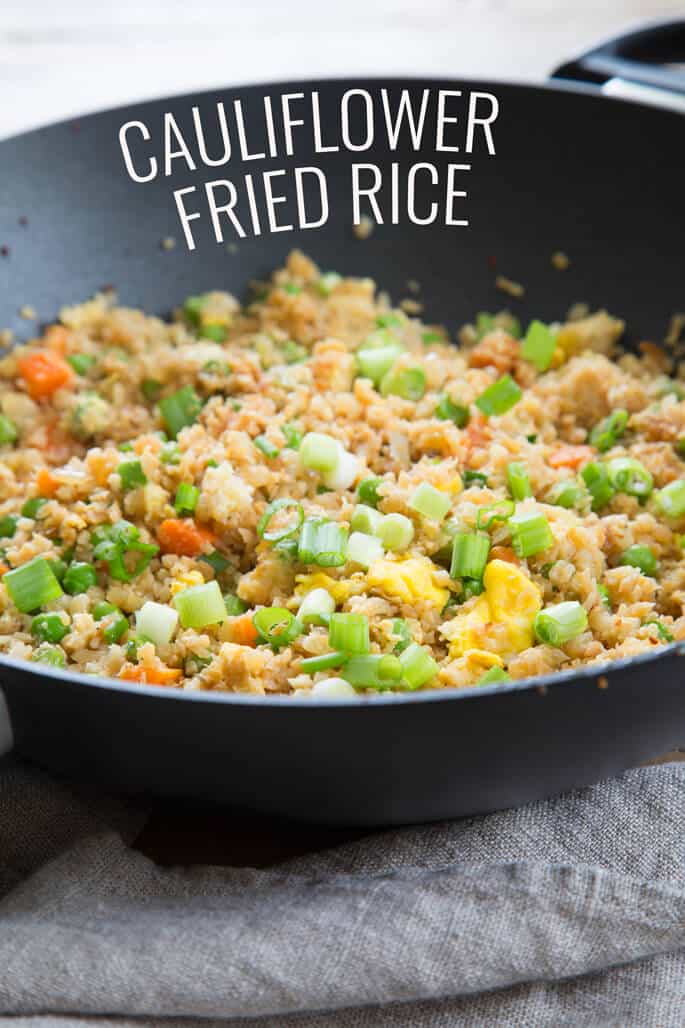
(564, 912)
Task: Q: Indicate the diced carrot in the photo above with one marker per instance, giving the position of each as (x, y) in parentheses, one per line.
(150, 675)
(184, 538)
(46, 482)
(503, 553)
(243, 631)
(3, 569)
(56, 338)
(571, 456)
(44, 373)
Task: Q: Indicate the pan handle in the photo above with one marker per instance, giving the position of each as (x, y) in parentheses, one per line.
(647, 65)
(6, 733)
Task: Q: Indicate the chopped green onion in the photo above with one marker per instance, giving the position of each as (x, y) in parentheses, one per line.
(518, 481)
(418, 667)
(662, 631)
(49, 628)
(170, 454)
(216, 561)
(366, 519)
(192, 308)
(502, 510)
(46, 654)
(276, 626)
(596, 479)
(539, 345)
(344, 474)
(472, 587)
(349, 632)
(79, 577)
(266, 447)
(319, 452)
(605, 594)
(567, 493)
(8, 430)
(200, 605)
(670, 501)
(314, 604)
(373, 671)
(292, 288)
(187, 496)
(292, 436)
(429, 501)
(492, 675)
(396, 532)
(217, 333)
(322, 542)
(125, 448)
(469, 554)
(118, 623)
(80, 362)
(530, 533)
(33, 506)
(234, 605)
(559, 624)
(8, 526)
(474, 478)
(32, 585)
(408, 383)
(640, 557)
(364, 549)
(611, 428)
(447, 410)
(629, 476)
(151, 389)
(375, 362)
(430, 338)
(291, 526)
(131, 474)
(400, 631)
(112, 543)
(59, 568)
(390, 320)
(180, 409)
(367, 491)
(310, 665)
(680, 447)
(157, 622)
(327, 282)
(499, 397)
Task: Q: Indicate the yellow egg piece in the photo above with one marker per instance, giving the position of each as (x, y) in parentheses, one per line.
(514, 601)
(408, 580)
(483, 659)
(185, 581)
(339, 588)
(501, 617)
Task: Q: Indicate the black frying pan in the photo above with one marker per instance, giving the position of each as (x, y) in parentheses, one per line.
(597, 178)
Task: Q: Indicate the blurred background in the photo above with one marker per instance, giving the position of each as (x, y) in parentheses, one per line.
(61, 59)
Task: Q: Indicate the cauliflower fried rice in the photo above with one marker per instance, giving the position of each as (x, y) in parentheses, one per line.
(318, 494)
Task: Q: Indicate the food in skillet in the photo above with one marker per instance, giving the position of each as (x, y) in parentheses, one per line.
(319, 494)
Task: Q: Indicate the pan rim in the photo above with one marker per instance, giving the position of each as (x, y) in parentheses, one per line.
(578, 676)
(589, 90)
(559, 678)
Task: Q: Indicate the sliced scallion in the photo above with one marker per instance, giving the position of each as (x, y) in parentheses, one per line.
(418, 666)
(447, 410)
(364, 549)
(408, 383)
(266, 447)
(276, 626)
(596, 479)
(319, 452)
(314, 604)
(157, 622)
(518, 481)
(630, 476)
(611, 428)
(349, 632)
(559, 624)
(180, 409)
(499, 397)
(310, 665)
(274, 526)
(200, 605)
(640, 557)
(396, 532)
(670, 501)
(429, 501)
(186, 500)
(373, 671)
(539, 345)
(530, 533)
(469, 554)
(367, 491)
(366, 519)
(32, 585)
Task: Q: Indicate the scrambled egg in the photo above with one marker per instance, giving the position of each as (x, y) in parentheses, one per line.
(185, 581)
(408, 580)
(502, 618)
(339, 588)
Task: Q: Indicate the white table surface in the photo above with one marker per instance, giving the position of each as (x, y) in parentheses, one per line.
(60, 59)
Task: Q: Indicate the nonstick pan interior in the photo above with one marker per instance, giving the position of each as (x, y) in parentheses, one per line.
(598, 179)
